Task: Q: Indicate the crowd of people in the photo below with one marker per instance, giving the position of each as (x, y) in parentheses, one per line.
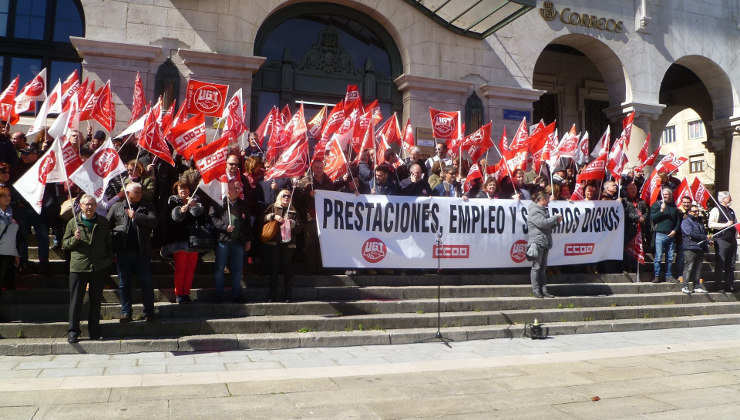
(262, 226)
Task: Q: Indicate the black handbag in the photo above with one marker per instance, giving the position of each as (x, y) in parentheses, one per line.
(201, 236)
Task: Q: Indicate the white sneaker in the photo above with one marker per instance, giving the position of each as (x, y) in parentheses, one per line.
(686, 290)
(700, 290)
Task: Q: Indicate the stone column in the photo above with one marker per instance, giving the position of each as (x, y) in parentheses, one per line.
(234, 70)
(498, 98)
(420, 93)
(645, 114)
(725, 143)
(119, 63)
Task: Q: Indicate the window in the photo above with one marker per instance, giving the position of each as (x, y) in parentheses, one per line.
(34, 34)
(669, 135)
(696, 163)
(696, 130)
(337, 46)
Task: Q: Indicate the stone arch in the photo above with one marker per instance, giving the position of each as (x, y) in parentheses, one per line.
(606, 61)
(724, 96)
(319, 69)
(375, 13)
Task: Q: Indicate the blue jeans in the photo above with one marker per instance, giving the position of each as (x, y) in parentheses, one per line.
(231, 253)
(130, 263)
(663, 244)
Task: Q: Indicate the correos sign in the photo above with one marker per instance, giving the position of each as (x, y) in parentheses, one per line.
(570, 17)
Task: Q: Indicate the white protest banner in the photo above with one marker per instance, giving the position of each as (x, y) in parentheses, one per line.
(375, 231)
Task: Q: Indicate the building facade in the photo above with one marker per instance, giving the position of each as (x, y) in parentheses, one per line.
(586, 62)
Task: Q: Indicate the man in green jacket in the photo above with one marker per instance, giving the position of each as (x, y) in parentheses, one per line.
(89, 240)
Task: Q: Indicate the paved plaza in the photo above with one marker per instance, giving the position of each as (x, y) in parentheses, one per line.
(673, 373)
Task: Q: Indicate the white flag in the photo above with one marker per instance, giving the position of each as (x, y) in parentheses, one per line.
(93, 176)
(49, 168)
(60, 124)
(53, 103)
(215, 189)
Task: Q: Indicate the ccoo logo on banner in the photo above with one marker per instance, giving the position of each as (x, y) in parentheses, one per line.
(369, 231)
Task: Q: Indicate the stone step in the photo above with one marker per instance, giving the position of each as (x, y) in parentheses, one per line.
(59, 311)
(338, 321)
(349, 293)
(226, 342)
(165, 281)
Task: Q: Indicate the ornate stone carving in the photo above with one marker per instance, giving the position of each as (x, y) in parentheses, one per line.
(327, 55)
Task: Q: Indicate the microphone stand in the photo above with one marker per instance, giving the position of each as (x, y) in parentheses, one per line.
(438, 336)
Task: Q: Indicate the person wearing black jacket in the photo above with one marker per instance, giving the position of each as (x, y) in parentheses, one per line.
(415, 185)
(666, 220)
(132, 222)
(721, 219)
(694, 243)
(232, 222)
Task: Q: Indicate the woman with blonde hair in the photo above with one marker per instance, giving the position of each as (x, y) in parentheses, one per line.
(281, 247)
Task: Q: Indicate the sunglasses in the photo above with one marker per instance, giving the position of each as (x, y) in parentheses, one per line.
(233, 164)
(4, 171)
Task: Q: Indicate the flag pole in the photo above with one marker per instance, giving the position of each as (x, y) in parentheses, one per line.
(69, 192)
(722, 230)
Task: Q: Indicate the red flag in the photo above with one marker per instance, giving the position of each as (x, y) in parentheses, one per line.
(375, 112)
(517, 159)
(634, 247)
(479, 142)
(391, 130)
(137, 106)
(360, 130)
(353, 94)
(104, 110)
(335, 164)
(643, 155)
(567, 146)
(152, 139)
(577, 193)
(188, 135)
(88, 105)
(234, 116)
(594, 170)
(521, 135)
(69, 87)
(473, 174)
(503, 142)
(650, 161)
(700, 192)
(453, 145)
(682, 191)
(266, 124)
(497, 170)
(211, 159)
(293, 162)
(670, 163)
(317, 123)
(295, 129)
(651, 188)
(408, 137)
(7, 102)
(538, 144)
(285, 115)
(617, 158)
(72, 159)
(208, 98)
(333, 122)
(445, 124)
(177, 120)
(345, 132)
(627, 131)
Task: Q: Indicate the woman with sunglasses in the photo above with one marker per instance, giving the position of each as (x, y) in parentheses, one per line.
(136, 173)
(281, 247)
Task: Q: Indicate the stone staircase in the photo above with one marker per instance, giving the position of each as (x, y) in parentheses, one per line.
(341, 310)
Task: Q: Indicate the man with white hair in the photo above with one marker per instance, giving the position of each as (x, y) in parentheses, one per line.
(88, 239)
(132, 222)
(415, 159)
(721, 218)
